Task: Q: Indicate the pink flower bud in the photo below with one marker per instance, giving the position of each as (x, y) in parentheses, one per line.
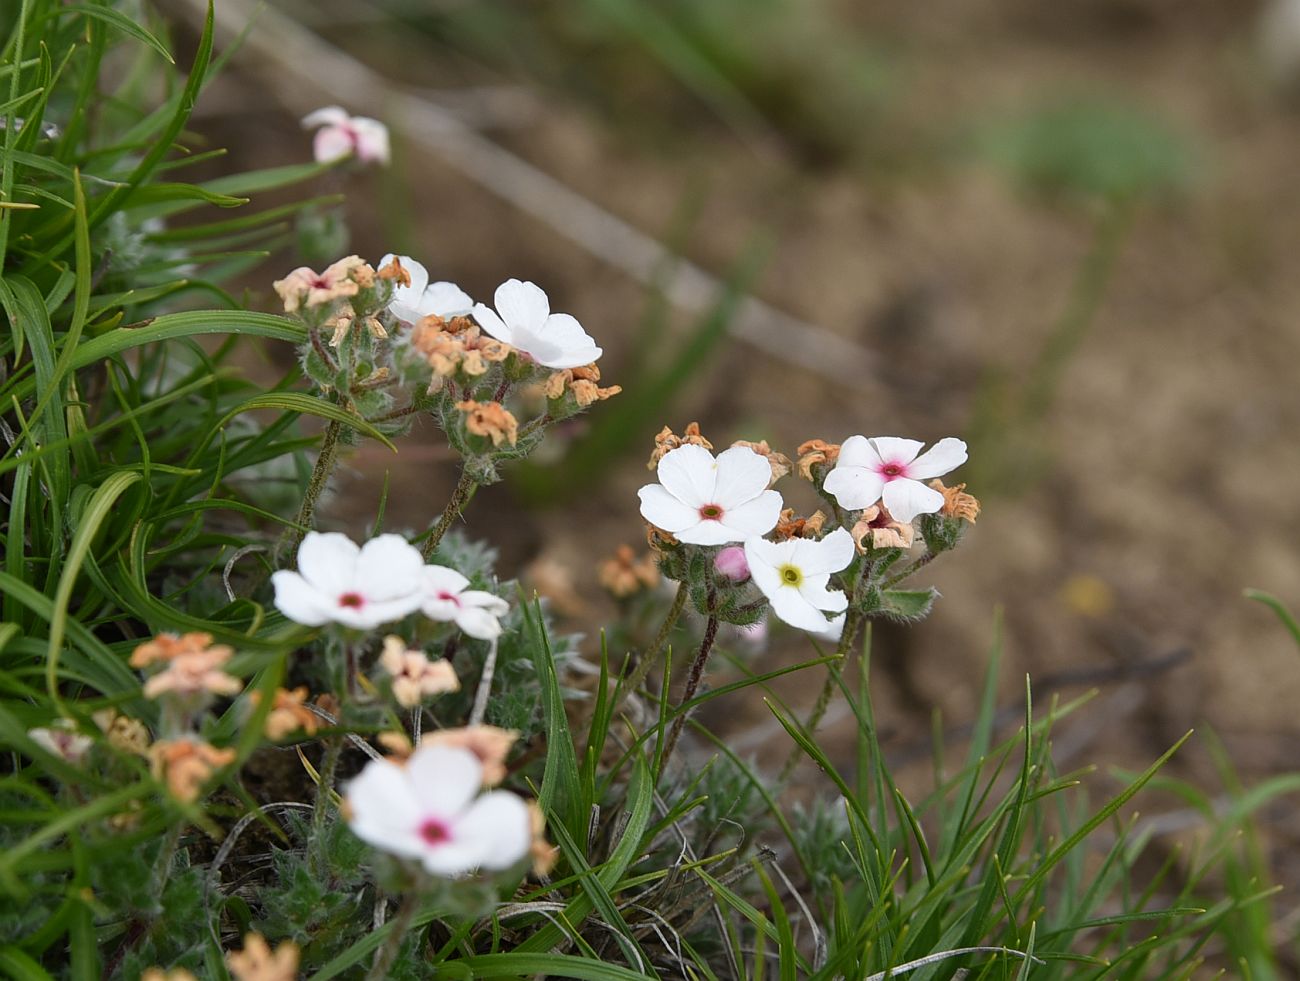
(731, 562)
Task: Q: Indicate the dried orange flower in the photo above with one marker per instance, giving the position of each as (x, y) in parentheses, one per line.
(658, 539)
(489, 743)
(195, 673)
(395, 271)
(175, 974)
(124, 733)
(877, 524)
(306, 288)
(186, 764)
(544, 853)
(456, 346)
(816, 451)
(789, 526)
(397, 743)
(167, 647)
(624, 574)
(490, 419)
(415, 677)
(779, 462)
(667, 441)
(257, 962)
(289, 713)
(582, 382)
(957, 503)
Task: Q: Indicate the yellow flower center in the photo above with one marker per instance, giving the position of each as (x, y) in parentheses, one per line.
(791, 575)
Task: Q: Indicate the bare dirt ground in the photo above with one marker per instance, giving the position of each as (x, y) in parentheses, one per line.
(1172, 452)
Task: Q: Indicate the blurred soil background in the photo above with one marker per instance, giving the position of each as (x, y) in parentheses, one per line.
(1065, 232)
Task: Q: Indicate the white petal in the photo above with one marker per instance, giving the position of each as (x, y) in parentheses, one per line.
(834, 629)
(690, 475)
(380, 611)
(487, 601)
(437, 579)
(444, 779)
(333, 115)
(708, 532)
(445, 299)
(764, 557)
(451, 859)
(331, 143)
(444, 611)
(498, 828)
(522, 305)
(328, 561)
(947, 454)
(756, 517)
(831, 554)
(572, 346)
(478, 622)
(372, 140)
(789, 605)
(298, 600)
(895, 449)
(854, 487)
(816, 594)
(492, 324)
(405, 304)
(664, 511)
(742, 476)
(905, 499)
(857, 451)
(389, 567)
(381, 800)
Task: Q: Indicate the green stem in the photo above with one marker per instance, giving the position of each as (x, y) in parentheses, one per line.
(386, 954)
(325, 783)
(166, 857)
(916, 566)
(465, 489)
(320, 475)
(692, 683)
(638, 675)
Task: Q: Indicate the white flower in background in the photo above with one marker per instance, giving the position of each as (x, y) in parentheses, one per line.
(703, 501)
(444, 596)
(415, 677)
(526, 323)
(887, 468)
(430, 810)
(794, 574)
(340, 134)
(422, 298)
(63, 740)
(337, 582)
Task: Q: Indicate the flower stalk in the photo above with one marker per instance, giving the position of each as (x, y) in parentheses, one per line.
(460, 497)
(397, 928)
(320, 475)
(692, 681)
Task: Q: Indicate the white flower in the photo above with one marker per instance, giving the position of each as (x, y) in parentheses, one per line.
(793, 575)
(888, 468)
(341, 134)
(444, 597)
(703, 501)
(555, 340)
(337, 582)
(62, 739)
(422, 298)
(430, 810)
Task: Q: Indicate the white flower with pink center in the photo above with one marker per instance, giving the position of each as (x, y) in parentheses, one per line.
(340, 135)
(445, 596)
(523, 319)
(888, 468)
(357, 587)
(795, 575)
(706, 501)
(430, 810)
(422, 298)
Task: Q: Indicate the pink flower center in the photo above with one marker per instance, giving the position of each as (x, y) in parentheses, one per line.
(711, 512)
(447, 597)
(354, 601)
(320, 283)
(434, 832)
(893, 471)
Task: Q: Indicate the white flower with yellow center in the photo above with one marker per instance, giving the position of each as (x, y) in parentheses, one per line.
(430, 810)
(794, 576)
(706, 501)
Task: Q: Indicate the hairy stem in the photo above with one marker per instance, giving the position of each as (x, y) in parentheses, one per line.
(320, 475)
(692, 683)
(386, 954)
(638, 675)
(325, 783)
(916, 566)
(465, 489)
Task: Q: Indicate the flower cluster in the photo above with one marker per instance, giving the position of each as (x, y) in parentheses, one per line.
(720, 526)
